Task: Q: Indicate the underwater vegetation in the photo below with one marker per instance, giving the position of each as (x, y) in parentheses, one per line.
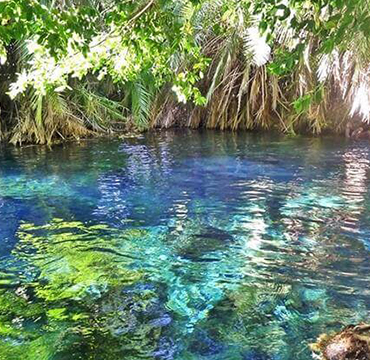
(77, 302)
(83, 291)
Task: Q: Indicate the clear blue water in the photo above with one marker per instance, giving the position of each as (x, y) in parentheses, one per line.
(182, 245)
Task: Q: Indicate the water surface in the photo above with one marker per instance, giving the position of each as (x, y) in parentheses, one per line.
(182, 246)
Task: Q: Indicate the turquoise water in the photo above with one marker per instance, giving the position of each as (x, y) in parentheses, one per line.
(182, 246)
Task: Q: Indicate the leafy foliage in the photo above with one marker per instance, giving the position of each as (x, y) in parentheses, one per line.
(267, 55)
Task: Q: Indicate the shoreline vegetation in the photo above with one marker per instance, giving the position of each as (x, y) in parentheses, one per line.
(75, 69)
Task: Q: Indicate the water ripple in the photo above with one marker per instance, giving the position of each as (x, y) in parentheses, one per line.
(199, 245)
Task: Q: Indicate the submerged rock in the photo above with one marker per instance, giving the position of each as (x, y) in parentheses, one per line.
(352, 343)
(203, 242)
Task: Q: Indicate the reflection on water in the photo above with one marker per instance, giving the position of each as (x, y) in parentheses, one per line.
(355, 185)
(182, 245)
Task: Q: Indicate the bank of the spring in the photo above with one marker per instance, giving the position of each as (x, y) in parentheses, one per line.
(256, 110)
(239, 97)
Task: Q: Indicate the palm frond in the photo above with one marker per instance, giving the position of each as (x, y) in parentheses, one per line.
(141, 100)
(255, 49)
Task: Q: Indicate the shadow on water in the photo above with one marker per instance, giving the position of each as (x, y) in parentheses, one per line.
(182, 245)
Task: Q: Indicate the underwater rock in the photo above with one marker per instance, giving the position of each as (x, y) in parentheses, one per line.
(161, 321)
(352, 343)
(207, 240)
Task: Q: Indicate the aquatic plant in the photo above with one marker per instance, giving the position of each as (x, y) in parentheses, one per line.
(88, 289)
(80, 300)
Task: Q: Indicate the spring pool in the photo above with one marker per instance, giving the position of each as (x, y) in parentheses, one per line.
(182, 245)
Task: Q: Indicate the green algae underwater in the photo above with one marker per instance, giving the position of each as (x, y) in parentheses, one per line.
(183, 246)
